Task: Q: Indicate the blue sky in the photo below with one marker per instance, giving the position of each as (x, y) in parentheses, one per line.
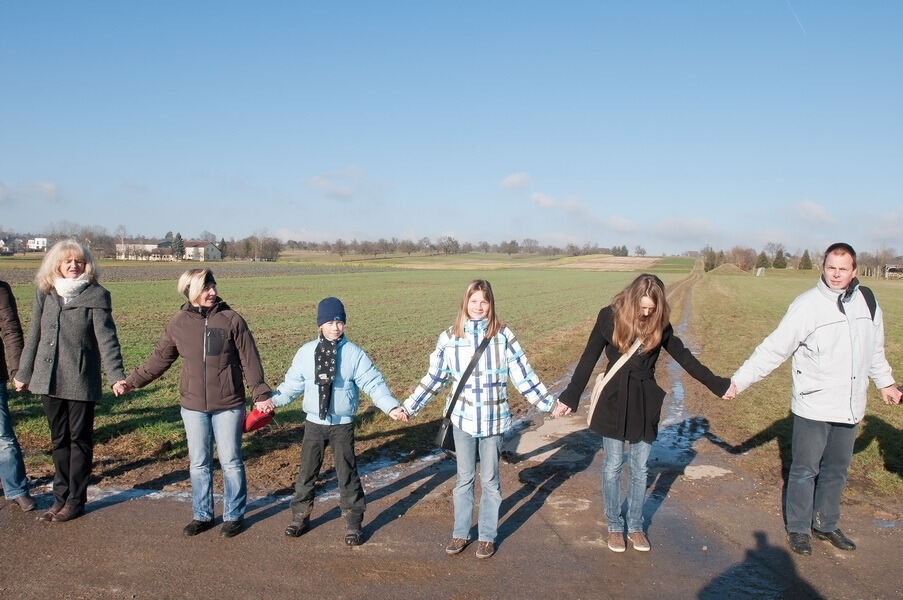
(665, 124)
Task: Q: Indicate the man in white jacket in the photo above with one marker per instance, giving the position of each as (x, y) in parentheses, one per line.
(835, 334)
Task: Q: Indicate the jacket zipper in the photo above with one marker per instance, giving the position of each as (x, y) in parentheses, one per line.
(206, 333)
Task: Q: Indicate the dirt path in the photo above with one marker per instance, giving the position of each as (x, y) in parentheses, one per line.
(716, 532)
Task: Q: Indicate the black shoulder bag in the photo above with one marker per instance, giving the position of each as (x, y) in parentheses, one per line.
(444, 438)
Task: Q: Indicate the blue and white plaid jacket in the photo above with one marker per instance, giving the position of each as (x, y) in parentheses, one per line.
(482, 408)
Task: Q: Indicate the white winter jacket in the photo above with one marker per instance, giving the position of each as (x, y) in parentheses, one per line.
(834, 353)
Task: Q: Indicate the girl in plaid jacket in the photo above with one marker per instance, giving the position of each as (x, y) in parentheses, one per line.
(481, 415)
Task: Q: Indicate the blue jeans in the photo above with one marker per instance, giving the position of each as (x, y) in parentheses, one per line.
(821, 455)
(637, 456)
(12, 469)
(201, 428)
(466, 447)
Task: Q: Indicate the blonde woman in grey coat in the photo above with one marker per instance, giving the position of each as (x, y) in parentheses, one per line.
(71, 333)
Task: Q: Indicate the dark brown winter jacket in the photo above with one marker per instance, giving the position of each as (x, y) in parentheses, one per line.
(11, 329)
(217, 348)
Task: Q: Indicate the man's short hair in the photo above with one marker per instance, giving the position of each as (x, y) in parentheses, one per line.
(839, 248)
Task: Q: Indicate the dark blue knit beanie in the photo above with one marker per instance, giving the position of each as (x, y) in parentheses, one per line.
(330, 309)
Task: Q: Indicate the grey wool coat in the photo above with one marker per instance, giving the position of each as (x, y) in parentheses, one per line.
(65, 345)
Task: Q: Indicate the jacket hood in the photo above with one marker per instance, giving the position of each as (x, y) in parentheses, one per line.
(218, 305)
(93, 296)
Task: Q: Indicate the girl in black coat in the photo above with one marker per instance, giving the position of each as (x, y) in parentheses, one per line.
(631, 403)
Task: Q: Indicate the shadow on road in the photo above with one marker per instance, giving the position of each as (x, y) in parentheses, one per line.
(766, 572)
(431, 476)
(573, 453)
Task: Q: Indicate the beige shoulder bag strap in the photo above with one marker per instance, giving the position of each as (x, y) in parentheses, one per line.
(601, 379)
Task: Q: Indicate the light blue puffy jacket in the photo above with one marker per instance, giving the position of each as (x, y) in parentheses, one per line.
(354, 372)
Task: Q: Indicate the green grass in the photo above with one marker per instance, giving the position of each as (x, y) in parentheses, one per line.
(733, 313)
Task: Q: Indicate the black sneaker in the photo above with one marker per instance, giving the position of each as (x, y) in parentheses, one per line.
(297, 528)
(231, 528)
(196, 527)
(353, 538)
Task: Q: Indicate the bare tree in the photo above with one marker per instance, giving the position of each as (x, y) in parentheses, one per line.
(530, 246)
(447, 244)
(407, 246)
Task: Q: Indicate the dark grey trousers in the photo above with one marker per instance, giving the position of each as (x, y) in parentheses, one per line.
(821, 455)
(351, 493)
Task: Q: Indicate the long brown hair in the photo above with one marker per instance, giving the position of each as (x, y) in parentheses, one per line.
(477, 285)
(629, 321)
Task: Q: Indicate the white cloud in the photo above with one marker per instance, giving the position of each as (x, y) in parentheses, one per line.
(543, 200)
(888, 230)
(46, 190)
(331, 187)
(515, 181)
(683, 230)
(347, 184)
(620, 224)
(813, 213)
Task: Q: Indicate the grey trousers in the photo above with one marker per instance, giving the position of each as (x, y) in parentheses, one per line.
(821, 455)
(351, 492)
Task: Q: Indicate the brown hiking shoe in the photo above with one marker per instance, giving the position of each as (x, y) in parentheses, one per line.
(456, 545)
(485, 549)
(638, 541)
(616, 541)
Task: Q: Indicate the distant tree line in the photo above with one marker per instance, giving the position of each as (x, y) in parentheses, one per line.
(775, 256)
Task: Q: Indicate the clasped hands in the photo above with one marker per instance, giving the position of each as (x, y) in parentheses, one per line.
(396, 414)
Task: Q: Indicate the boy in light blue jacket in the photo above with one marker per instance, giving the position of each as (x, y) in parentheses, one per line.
(330, 371)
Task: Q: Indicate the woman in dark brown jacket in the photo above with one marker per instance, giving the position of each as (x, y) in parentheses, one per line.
(631, 403)
(12, 468)
(71, 333)
(217, 350)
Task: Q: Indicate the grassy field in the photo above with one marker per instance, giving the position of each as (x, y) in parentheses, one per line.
(395, 315)
(733, 313)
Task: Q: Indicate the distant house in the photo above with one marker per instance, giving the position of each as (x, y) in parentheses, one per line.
(202, 251)
(139, 250)
(162, 251)
(893, 271)
(36, 244)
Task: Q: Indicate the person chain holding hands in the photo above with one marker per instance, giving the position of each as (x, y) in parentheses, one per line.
(835, 334)
(481, 415)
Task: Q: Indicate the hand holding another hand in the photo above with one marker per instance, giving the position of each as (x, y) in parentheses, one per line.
(19, 385)
(731, 392)
(399, 414)
(265, 406)
(891, 394)
(561, 410)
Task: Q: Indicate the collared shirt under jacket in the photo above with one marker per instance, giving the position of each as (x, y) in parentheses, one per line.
(631, 403)
(482, 408)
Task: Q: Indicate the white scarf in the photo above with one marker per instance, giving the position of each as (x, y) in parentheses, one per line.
(70, 288)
